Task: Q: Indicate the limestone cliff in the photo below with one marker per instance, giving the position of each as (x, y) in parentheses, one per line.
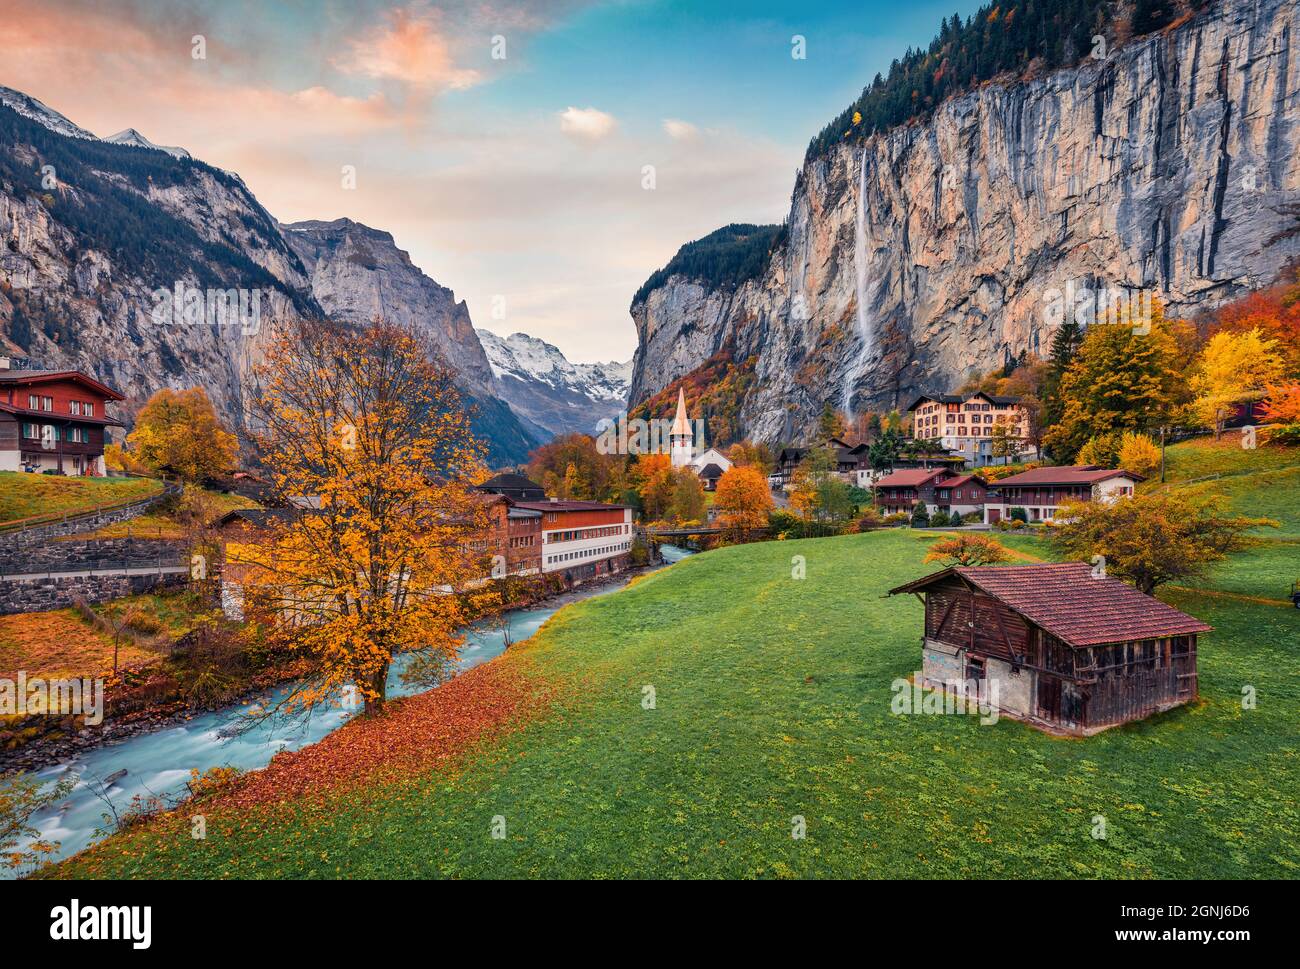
(922, 255)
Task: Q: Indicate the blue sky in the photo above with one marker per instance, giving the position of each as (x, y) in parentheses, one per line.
(515, 182)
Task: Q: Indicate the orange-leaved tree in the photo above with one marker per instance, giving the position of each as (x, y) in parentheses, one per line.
(968, 549)
(743, 499)
(178, 432)
(364, 425)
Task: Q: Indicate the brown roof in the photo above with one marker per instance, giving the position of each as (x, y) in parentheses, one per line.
(1068, 601)
(1081, 474)
(909, 477)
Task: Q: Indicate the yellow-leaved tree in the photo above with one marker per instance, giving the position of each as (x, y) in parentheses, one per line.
(1138, 453)
(178, 432)
(1234, 368)
(388, 556)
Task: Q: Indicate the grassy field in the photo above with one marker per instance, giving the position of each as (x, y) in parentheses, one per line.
(772, 702)
(61, 643)
(26, 495)
(162, 524)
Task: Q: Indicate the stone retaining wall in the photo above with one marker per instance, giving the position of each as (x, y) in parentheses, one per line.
(76, 556)
(39, 595)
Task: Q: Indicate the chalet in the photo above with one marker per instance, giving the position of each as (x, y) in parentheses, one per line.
(1042, 491)
(515, 535)
(1056, 645)
(964, 423)
(53, 420)
(942, 489)
(848, 458)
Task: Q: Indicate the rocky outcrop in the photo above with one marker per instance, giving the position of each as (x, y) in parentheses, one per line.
(920, 256)
(545, 389)
(117, 256)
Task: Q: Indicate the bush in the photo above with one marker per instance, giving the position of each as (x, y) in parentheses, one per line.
(920, 516)
(1019, 514)
(869, 519)
(897, 518)
(972, 518)
(940, 519)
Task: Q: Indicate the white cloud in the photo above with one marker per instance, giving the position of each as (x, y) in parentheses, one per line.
(680, 130)
(586, 123)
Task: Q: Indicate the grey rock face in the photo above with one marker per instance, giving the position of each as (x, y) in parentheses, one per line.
(358, 273)
(932, 252)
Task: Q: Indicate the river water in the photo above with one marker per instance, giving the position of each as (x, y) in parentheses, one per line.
(159, 763)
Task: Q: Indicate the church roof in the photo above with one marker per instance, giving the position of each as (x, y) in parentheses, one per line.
(680, 424)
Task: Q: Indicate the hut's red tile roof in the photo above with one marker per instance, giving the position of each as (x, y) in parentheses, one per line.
(1068, 601)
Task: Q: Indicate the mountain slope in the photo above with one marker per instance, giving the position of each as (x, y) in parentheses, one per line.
(94, 232)
(544, 388)
(358, 273)
(915, 257)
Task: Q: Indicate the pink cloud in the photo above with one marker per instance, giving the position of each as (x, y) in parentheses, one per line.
(411, 48)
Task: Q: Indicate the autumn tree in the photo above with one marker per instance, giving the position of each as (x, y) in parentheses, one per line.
(688, 502)
(571, 466)
(1138, 453)
(372, 430)
(21, 797)
(1152, 539)
(818, 494)
(1123, 378)
(830, 423)
(1234, 368)
(743, 499)
(178, 432)
(968, 548)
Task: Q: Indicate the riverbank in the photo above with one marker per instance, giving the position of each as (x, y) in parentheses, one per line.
(74, 741)
(153, 763)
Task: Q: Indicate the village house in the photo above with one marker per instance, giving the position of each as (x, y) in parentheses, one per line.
(1042, 491)
(964, 423)
(53, 420)
(577, 540)
(1056, 645)
(941, 489)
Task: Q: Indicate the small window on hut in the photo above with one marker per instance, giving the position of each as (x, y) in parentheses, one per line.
(1182, 646)
(975, 667)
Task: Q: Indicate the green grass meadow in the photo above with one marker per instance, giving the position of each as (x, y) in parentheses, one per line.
(772, 703)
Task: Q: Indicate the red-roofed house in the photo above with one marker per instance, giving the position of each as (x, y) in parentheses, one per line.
(940, 488)
(54, 420)
(1057, 644)
(1043, 490)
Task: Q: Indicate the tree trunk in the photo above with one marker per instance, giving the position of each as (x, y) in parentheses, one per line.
(379, 686)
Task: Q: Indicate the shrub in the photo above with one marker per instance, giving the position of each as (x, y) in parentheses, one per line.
(940, 519)
(869, 519)
(897, 518)
(1019, 514)
(920, 516)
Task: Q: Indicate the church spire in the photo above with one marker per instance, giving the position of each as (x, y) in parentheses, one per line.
(681, 426)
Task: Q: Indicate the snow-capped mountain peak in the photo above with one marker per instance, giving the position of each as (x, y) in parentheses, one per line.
(29, 107)
(133, 138)
(545, 387)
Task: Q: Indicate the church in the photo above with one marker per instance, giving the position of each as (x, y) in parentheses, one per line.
(709, 464)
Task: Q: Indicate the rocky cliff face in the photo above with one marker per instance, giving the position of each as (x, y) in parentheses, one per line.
(544, 388)
(936, 250)
(358, 273)
(92, 234)
(94, 231)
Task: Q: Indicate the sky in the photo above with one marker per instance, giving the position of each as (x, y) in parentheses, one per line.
(504, 144)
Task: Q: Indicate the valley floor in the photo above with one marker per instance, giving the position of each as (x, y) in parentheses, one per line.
(771, 702)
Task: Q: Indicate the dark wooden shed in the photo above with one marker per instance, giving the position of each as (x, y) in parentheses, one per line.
(1067, 649)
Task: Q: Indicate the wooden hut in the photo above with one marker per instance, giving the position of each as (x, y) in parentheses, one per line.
(1062, 648)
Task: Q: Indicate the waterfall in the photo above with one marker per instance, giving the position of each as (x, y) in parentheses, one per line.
(865, 294)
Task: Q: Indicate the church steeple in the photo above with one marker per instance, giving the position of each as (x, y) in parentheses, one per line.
(680, 438)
